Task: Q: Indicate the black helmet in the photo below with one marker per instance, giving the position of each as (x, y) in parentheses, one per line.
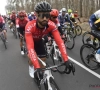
(42, 6)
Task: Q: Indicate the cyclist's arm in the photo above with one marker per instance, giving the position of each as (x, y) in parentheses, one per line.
(68, 19)
(59, 27)
(30, 46)
(3, 21)
(60, 44)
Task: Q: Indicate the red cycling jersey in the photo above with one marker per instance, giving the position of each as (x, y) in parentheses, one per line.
(75, 15)
(21, 23)
(33, 33)
(57, 22)
(13, 17)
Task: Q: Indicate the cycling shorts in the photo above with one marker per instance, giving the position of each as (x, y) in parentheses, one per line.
(14, 22)
(22, 31)
(40, 48)
(2, 26)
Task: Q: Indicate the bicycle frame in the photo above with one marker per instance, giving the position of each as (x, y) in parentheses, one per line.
(46, 76)
(24, 45)
(56, 49)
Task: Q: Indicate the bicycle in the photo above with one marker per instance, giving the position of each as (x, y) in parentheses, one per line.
(14, 30)
(2, 36)
(47, 81)
(86, 38)
(78, 29)
(87, 54)
(71, 30)
(69, 39)
(24, 45)
(55, 54)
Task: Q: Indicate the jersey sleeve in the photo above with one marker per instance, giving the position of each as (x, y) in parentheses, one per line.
(30, 45)
(3, 20)
(60, 44)
(17, 24)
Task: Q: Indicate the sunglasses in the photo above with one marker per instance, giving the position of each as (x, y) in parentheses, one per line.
(44, 15)
(21, 16)
(53, 17)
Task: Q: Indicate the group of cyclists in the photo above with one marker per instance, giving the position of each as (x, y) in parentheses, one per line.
(40, 25)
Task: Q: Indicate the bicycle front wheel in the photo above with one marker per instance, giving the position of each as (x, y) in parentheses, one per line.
(69, 41)
(87, 53)
(86, 37)
(53, 85)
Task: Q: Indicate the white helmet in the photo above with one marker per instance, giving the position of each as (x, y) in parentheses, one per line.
(63, 9)
(32, 13)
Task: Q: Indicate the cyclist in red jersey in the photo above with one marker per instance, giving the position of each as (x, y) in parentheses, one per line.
(76, 16)
(35, 30)
(54, 18)
(13, 19)
(21, 22)
(2, 26)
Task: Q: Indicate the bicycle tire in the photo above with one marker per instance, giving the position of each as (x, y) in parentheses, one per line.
(84, 35)
(52, 83)
(68, 39)
(15, 33)
(89, 57)
(4, 41)
(78, 30)
(73, 32)
(55, 62)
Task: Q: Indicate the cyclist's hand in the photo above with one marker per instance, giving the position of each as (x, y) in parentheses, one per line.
(38, 74)
(68, 64)
(49, 38)
(63, 36)
(69, 67)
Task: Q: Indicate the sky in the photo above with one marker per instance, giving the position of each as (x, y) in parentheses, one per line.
(2, 7)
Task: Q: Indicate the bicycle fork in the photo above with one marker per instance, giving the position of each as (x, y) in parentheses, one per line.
(56, 52)
(48, 76)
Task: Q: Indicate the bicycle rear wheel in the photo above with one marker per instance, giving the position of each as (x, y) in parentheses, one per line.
(15, 33)
(87, 53)
(69, 41)
(73, 32)
(53, 84)
(78, 30)
(3, 40)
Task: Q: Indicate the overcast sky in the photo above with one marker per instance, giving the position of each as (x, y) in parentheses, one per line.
(2, 6)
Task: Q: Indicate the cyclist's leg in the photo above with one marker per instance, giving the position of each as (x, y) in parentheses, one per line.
(5, 31)
(21, 31)
(96, 33)
(11, 24)
(41, 53)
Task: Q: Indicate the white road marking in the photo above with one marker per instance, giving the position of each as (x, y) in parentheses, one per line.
(84, 67)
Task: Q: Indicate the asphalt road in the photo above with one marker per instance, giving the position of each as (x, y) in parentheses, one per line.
(14, 70)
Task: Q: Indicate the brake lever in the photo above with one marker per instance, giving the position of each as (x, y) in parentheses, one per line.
(73, 69)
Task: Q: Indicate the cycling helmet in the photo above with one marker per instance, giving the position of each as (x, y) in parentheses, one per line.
(69, 11)
(32, 13)
(42, 6)
(63, 9)
(21, 13)
(54, 12)
(13, 12)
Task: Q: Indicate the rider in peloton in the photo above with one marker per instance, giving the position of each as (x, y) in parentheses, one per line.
(35, 30)
(94, 23)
